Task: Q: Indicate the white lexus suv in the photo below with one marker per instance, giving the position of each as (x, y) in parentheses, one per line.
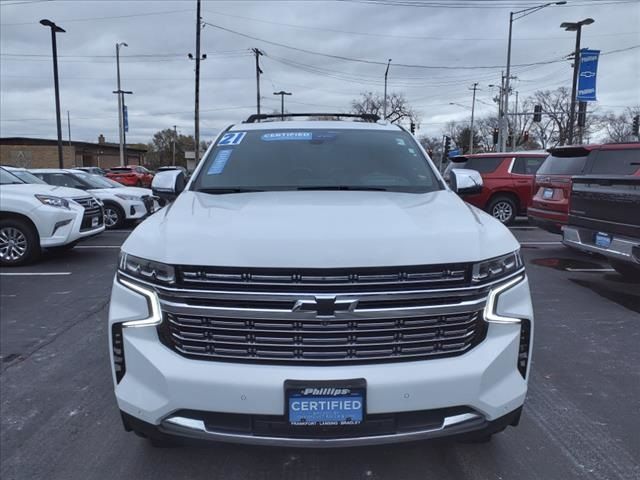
(317, 284)
(34, 215)
(121, 204)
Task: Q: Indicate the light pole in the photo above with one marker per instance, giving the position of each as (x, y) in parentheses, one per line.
(282, 93)
(120, 103)
(473, 108)
(575, 27)
(384, 107)
(56, 29)
(513, 16)
(173, 153)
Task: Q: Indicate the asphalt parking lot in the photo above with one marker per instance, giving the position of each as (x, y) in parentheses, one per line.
(60, 421)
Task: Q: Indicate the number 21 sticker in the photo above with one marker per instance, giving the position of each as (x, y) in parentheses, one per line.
(233, 138)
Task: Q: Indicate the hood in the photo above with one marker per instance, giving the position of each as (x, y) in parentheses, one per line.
(135, 191)
(321, 229)
(40, 189)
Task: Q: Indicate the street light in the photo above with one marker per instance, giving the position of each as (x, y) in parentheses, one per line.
(56, 29)
(282, 93)
(120, 104)
(512, 17)
(384, 107)
(575, 27)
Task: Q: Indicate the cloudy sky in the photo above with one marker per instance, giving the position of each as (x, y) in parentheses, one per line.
(469, 42)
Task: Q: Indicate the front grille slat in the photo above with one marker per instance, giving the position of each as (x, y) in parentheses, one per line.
(92, 209)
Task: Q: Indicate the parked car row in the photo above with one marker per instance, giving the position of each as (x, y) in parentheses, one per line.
(57, 208)
(538, 184)
(131, 175)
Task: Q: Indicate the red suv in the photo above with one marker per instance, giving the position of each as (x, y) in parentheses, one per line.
(550, 205)
(131, 176)
(507, 181)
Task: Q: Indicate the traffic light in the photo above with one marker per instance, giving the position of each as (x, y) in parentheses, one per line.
(582, 114)
(537, 113)
(412, 127)
(496, 133)
(447, 147)
(636, 125)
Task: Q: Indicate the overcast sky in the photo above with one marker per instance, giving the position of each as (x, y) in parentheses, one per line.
(160, 34)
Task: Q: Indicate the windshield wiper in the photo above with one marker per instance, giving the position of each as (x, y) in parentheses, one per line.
(344, 187)
(222, 191)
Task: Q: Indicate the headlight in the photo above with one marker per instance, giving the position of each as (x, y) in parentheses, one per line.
(496, 268)
(124, 196)
(53, 201)
(146, 269)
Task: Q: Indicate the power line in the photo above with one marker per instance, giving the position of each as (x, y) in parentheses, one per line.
(474, 4)
(408, 37)
(111, 17)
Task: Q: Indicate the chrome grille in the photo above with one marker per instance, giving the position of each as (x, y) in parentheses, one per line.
(91, 209)
(386, 316)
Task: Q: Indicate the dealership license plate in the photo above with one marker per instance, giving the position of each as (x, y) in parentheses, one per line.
(95, 221)
(603, 239)
(547, 193)
(325, 403)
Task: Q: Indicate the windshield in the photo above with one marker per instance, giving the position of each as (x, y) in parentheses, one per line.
(28, 177)
(94, 181)
(302, 159)
(7, 178)
(111, 183)
(562, 165)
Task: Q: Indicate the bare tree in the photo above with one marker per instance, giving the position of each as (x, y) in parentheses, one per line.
(398, 107)
(619, 127)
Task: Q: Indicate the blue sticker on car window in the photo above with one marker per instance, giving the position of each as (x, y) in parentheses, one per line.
(218, 164)
(232, 138)
(284, 136)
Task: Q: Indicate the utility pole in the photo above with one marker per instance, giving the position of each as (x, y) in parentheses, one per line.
(173, 153)
(282, 93)
(473, 107)
(516, 124)
(69, 136)
(384, 107)
(257, 53)
(575, 27)
(54, 47)
(120, 103)
(196, 120)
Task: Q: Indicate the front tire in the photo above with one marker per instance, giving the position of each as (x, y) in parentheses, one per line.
(19, 242)
(503, 208)
(113, 216)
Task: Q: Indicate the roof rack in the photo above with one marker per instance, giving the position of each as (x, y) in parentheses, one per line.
(367, 117)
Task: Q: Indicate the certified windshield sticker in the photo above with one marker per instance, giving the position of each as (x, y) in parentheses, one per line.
(218, 164)
(232, 138)
(286, 136)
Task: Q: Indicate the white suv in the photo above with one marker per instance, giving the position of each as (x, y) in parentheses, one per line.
(121, 204)
(35, 216)
(317, 284)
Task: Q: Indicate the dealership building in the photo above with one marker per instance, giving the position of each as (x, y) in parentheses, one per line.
(43, 153)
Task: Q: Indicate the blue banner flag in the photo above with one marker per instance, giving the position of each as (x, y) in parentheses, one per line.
(587, 75)
(454, 153)
(126, 118)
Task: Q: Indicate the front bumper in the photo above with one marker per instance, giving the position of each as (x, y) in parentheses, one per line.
(624, 249)
(159, 384)
(58, 227)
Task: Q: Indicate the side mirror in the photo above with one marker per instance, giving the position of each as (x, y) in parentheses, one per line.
(168, 185)
(464, 181)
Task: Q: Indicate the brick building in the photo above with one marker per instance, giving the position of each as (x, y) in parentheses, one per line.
(43, 153)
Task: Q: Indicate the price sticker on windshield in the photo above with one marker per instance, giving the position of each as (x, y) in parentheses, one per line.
(218, 164)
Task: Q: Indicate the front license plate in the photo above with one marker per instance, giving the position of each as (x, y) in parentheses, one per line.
(325, 403)
(547, 193)
(603, 239)
(95, 221)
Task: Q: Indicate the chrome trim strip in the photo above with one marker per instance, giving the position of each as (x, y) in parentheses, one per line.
(194, 428)
(362, 296)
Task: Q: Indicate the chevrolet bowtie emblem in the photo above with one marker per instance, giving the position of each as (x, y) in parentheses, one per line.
(325, 305)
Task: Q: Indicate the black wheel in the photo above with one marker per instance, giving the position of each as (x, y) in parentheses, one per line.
(19, 242)
(113, 216)
(503, 208)
(63, 248)
(627, 270)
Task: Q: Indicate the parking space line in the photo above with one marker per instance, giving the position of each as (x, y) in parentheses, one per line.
(541, 243)
(589, 269)
(24, 274)
(98, 246)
